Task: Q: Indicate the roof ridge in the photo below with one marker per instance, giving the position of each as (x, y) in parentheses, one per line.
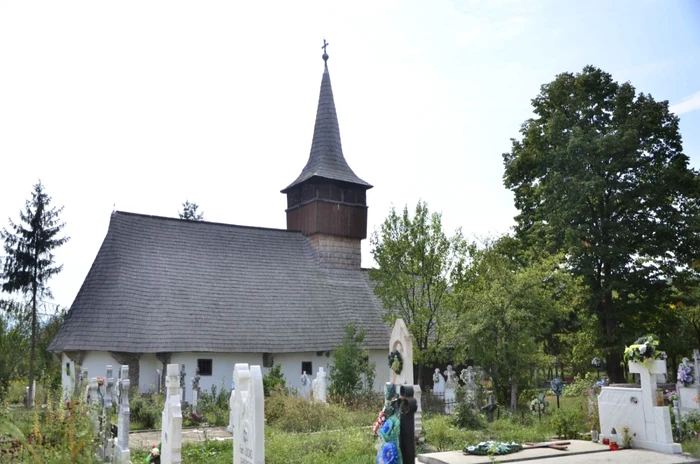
(153, 216)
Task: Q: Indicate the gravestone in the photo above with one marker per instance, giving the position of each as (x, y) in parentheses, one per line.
(104, 451)
(650, 425)
(171, 419)
(92, 398)
(195, 389)
(122, 453)
(438, 383)
(249, 416)
(470, 387)
(182, 383)
(490, 407)
(450, 385)
(319, 386)
(305, 390)
(401, 341)
(232, 400)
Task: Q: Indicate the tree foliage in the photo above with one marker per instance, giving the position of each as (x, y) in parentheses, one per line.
(416, 263)
(190, 213)
(29, 264)
(600, 174)
(506, 309)
(351, 365)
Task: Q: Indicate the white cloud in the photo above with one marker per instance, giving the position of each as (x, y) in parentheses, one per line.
(688, 104)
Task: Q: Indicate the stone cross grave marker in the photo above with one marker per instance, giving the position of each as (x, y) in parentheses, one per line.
(122, 453)
(249, 416)
(182, 383)
(438, 382)
(171, 419)
(195, 389)
(401, 341)
(319, 386)
(450, 385)
(696, 360)
(105, 450)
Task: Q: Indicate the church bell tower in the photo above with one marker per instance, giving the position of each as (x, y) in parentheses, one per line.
(328, 202)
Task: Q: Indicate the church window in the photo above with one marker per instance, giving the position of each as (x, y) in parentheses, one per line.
(205, 366)
(306, 367)
(268, 360)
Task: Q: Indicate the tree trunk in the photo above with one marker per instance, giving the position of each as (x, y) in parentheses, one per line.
(420, 376)
(614, 369)
(513, 395)
(30, 396)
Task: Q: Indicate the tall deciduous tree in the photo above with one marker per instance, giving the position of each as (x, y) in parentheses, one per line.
(189, 212)
(416, 263)
(506, 310)
(600, 174)
(29, 265)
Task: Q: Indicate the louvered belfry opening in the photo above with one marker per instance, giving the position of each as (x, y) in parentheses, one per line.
(328, 201)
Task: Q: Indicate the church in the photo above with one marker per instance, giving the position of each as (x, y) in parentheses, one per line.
(208, 295)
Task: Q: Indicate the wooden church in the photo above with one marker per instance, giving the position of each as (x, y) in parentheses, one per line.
(209, 295)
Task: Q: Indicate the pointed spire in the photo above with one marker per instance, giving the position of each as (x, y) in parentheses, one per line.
(326, 159)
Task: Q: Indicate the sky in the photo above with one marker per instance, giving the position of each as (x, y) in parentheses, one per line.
(138, 106)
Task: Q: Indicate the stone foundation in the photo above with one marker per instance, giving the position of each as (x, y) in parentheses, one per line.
(336, 252)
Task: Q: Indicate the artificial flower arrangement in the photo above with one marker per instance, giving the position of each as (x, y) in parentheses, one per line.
(396, 361)
(387, 427)
(493, 448)
(644, 350)
(154, 457)
(685, 373)
(100, 381)
(672, 395)
(436, 377)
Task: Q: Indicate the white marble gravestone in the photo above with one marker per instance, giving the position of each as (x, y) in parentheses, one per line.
(319, 386)
(195, 389)
(450, 386)
(122, 454)
(171, 419)
(650, 425)
(401, 342)
(439, 385)
(249, 416)
(305, 389)
(232, 400)
(105, 449)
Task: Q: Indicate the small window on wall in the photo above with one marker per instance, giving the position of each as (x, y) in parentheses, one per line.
(205, 366)
(67, 368)
(268, 360)
(306, 367)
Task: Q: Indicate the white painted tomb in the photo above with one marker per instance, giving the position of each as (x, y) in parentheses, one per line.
(635, 408)
(171, 419)
(249, 416)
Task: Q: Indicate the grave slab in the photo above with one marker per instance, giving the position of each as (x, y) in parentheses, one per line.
(579, 452)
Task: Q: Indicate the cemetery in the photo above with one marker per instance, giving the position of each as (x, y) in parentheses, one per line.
(571, 336)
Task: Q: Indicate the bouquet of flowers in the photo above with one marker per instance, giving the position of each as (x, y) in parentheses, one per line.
(685, 373)
(154, 457)
(644, 350)
(672, 395)
(436, 376)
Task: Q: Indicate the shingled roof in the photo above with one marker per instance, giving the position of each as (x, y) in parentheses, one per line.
(326, 159)
(169, 285)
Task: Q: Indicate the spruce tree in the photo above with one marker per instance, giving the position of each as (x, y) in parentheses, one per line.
(29, 263)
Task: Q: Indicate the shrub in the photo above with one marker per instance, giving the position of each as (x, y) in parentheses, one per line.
(579, 386)
(213, 406)
(350, 365)
(292, 414)
(568, 423)
(465, 417)
(146, 410)
(273, 380)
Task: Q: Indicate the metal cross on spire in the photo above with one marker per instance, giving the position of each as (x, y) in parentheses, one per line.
(325, 54)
